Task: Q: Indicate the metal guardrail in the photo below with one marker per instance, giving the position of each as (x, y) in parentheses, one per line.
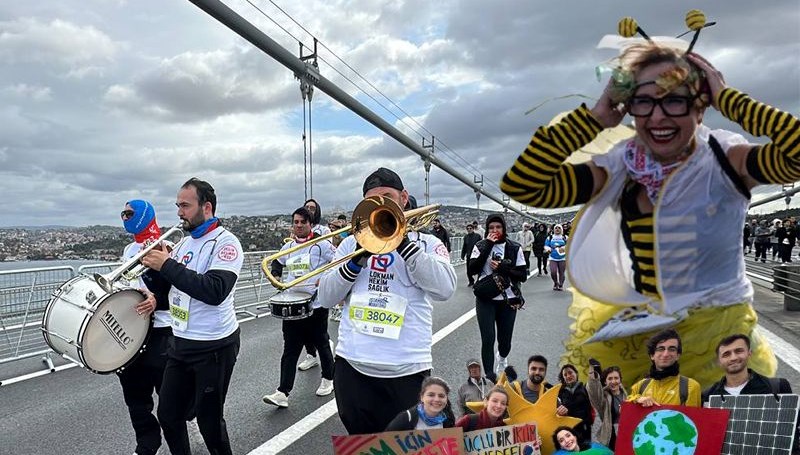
(25, 293)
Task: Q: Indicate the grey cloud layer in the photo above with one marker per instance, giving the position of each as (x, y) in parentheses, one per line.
(104, 101)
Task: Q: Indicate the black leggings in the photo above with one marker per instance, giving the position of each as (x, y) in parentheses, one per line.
(491, 314)
(541, 263)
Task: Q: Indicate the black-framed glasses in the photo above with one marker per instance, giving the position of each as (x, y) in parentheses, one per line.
(126, 214)
(671, 105)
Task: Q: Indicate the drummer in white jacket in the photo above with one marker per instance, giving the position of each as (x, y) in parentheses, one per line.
(385, 336)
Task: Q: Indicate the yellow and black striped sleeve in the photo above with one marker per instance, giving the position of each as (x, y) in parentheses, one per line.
(540, 177)
(778, 161)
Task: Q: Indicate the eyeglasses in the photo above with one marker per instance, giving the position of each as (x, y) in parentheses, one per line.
(671, 105)
(126, 214)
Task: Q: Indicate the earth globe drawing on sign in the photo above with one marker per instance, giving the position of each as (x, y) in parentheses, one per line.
(665, 432)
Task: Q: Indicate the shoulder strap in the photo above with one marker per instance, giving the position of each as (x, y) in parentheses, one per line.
(727, 167)
(683, 388)
(472, 424)
(774, 385)
(644, 384)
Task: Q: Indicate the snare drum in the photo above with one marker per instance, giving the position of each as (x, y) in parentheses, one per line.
(98, 330)
(291, 305)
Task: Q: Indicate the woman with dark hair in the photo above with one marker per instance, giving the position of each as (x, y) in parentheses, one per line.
(500, 266)
(432, 411)
(539, 238)
(567, 443)
(316, 217)
(575, 401)
(607, 400)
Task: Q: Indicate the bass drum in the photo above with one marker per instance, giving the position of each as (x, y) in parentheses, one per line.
(291, 304)
(98, 330)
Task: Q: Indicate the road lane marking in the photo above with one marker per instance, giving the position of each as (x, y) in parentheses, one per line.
(785, 351)
(308, 423)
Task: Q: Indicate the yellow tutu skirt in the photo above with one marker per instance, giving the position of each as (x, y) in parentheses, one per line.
(700, 333)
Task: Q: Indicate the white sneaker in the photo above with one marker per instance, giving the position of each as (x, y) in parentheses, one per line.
(309, 362)
(325, 387)
(500, 364)
(278, 399)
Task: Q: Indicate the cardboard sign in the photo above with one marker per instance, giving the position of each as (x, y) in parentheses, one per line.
(508, 440)
(670, 429)
(448, 441)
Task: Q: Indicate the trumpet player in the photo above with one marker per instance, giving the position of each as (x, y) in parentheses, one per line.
(143, 376)
(311, 330)
(384, 347)
(199, 275)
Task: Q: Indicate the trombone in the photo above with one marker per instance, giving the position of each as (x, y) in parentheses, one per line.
(133, 268)
(378, 224)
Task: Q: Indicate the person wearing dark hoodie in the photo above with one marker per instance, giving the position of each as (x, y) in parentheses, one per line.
(499, 262)
(317, 227)
(574, 402)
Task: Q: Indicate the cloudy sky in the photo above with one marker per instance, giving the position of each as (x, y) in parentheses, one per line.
(102, 101)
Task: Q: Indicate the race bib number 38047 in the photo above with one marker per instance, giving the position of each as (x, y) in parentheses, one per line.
(377, 314)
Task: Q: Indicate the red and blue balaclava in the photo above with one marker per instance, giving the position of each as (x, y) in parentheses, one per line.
(143, 223)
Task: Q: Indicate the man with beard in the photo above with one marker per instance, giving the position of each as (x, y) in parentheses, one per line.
(733, 354)
(664, 384)
(199, 276)
(535, 386)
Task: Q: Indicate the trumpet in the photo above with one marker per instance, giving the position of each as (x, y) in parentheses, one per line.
(133, 269)
(378, 224)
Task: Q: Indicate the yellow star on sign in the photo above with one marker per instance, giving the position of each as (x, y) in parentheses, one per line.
(542, 413)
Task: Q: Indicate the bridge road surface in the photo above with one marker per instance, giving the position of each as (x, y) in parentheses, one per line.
(76, 412)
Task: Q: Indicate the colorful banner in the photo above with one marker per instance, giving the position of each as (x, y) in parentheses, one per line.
(670, 429)
(447, 441)
(508, 440)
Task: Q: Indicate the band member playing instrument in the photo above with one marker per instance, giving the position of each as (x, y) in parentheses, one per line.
(310, 330)
(143, 375)
(384, 346)
(315, 211)
(200, 275)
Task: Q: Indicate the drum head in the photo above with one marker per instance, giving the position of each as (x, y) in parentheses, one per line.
(116, 333)
(291, 296)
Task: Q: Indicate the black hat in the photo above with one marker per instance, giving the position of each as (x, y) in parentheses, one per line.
(383, 177)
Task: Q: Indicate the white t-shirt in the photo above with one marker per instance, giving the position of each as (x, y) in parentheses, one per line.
(736, 391)
(216, 250)
(161, 318)
(304, 261)
(497, 249)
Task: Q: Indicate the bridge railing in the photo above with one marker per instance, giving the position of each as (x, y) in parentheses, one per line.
(25, 293)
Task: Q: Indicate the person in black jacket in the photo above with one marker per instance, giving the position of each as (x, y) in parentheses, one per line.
(432, 411)
(575, 402)
(439, 231)
(733, 354)
(539, 237)
(499, 261)
(469, 241)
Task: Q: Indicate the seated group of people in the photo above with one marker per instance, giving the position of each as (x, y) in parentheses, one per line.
(602, 396)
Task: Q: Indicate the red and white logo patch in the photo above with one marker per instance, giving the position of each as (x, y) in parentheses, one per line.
(441, 250)
(228, 253)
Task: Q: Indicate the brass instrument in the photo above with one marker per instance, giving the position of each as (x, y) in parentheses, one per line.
(378, 224)
(133, 269)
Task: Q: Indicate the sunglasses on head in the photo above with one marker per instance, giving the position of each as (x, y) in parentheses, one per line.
(126, 213)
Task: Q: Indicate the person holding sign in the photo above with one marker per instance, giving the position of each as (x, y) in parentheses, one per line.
(567, 443)
(433, 410)
(380, 365)
(312, 330)
(494, 411)
(199, 274)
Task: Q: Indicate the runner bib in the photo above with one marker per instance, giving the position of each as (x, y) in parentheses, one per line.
(378, 314)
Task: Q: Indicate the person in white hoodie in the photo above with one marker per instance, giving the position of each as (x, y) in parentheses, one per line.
(385, 336)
